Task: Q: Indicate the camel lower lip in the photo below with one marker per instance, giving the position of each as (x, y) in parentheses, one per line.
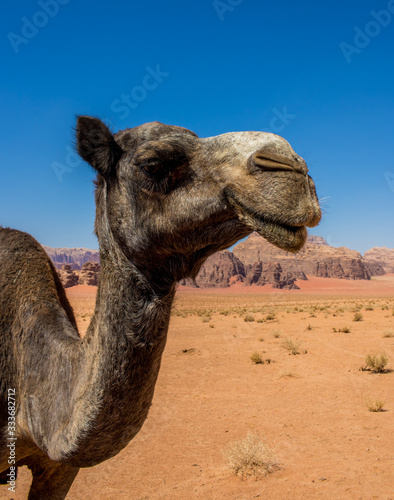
(286, 237)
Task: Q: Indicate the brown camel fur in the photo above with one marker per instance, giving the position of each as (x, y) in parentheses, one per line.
(165, 201)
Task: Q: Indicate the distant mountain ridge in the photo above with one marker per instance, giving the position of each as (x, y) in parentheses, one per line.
(383, 255)
(76, 257)
(252, 262)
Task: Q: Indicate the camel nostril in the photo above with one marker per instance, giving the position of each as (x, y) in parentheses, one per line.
(269, 160)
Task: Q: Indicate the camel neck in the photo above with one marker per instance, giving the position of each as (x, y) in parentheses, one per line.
(126, 337)
(129, 306)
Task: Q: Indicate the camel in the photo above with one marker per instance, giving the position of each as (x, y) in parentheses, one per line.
(165, 201)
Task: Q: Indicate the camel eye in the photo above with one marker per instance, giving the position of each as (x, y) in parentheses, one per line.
(153, 169)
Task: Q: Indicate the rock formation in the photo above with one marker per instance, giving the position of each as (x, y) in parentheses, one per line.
(68, 276)
(89, 274)
(76, 257)
(382, 256)
(316, 258)
(252, 262)
(224, 269)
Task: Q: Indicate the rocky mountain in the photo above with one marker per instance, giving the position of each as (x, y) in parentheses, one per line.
(68, 276)
(382, 255)
(316, 258)
(252, 262)
(87, 275)
(75, 257)
(224, 269)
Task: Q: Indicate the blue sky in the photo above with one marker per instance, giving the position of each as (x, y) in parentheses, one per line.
(220, 66)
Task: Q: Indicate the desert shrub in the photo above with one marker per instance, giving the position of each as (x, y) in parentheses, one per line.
(261, 320)
(375, 405)
(369, 308)
(206, 319)
(344, 329)
(377, 362)
(276, 334)
(389, 334)
(357, 316)
(256, 358)
(384, 307)
(250, 457)
(270, 317)
(261, 339)
(249, 318)
(291, 346)
(211, 326)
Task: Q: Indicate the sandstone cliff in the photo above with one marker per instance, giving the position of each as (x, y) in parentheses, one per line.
(383, 256)
(316, 258)
(76, 257)
(224, 269)
(252, 262)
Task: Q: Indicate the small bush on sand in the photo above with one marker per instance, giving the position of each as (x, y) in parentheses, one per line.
(375, 405)
(250, 457)
(249, 318)
(206, 319)
(291, 346)
(344, 329)
(256, 358)
(270, 317)
(357, 316)
(389, 334)
(377, 362)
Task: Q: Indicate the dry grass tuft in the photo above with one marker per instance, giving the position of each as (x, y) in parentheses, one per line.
(375, 405)
(250, 457)
(357, 316)
(249, 318)
(377, 362)
(256, 358)
(291, 346)
(388, 335)
(288, 374)
(271, 316)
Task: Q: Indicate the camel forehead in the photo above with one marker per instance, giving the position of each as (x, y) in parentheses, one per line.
(152, 131)
(248, 142)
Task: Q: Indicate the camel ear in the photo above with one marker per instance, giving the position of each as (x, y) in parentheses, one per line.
(96, 144)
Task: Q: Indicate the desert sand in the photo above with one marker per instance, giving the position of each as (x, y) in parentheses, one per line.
(310, 408)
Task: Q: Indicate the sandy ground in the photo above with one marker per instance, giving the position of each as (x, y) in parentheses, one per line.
(310, 408)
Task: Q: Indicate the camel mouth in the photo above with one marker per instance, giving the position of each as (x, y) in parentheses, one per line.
(284, 236)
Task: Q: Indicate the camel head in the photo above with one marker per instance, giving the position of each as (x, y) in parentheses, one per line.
(168, 199)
